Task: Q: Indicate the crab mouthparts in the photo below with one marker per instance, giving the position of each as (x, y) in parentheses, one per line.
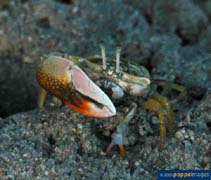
(97, 103)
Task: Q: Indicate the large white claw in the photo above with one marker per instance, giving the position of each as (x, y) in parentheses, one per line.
(87, 87)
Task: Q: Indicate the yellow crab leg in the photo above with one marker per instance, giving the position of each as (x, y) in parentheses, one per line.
(41, 97)
(154, 105)
(174, 86)
(169, 112)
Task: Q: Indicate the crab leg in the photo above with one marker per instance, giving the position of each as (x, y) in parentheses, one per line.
(174, 86)
(41, 97)
(118, 136)
(154, 105)
(169, 112)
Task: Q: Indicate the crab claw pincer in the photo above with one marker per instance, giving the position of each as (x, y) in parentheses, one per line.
(65, 80)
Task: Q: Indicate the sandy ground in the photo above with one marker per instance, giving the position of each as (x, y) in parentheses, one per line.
(172, 39)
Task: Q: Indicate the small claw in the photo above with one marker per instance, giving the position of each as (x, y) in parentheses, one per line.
(118, 136)
(118, 139)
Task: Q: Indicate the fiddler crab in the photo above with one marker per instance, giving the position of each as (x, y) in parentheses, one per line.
(87, 85)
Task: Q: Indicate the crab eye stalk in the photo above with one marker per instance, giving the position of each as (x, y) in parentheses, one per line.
(102, 48)
(118, 51)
